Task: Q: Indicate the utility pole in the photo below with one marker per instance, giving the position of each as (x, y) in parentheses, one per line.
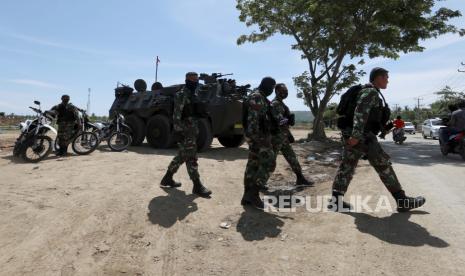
(418, 107)
(88, 101)
(156, 68)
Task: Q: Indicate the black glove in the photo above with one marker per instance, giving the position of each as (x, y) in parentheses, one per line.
(291, 119)
(291, 138)
(389, 126)
(382, 135)
(177, 136)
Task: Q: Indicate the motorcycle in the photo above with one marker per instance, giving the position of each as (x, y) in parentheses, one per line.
(117, 133)
(398, 136)
(455, 144)
(33, 144)
(85, 141)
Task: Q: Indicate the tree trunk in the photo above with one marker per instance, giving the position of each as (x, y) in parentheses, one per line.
(318, 129)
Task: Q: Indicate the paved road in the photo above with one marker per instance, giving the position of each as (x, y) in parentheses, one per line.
(434, 236)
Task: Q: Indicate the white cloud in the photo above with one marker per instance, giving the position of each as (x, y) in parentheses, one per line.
(404, 87)
(35, 83)
(430, 45)
(51, 43)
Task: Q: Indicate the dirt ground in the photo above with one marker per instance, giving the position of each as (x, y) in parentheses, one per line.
(105, 214)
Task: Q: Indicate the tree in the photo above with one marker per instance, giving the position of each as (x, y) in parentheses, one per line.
(447, 97)
(335, 35)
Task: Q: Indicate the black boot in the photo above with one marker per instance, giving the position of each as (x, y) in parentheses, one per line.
(336, 201)
(263, 188)
(302, 182)
(168, 181)
(59, 152)
(200, 190)
(62, 151)
(251, 197)
(65, 151)
(405, 203)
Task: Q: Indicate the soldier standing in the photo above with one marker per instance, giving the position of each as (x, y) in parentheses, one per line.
(185, 126)
(257, 131)
(360, 139)
(67, 119)
(282, 138)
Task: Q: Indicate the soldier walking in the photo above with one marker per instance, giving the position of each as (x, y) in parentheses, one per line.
(185, 125)
(359, 139)
(282, 138)
(67, 119)
(257, 131)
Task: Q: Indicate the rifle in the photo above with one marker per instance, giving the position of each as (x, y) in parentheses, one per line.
(212, 78)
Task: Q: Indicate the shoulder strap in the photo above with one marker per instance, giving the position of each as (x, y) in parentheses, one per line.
(384, 100)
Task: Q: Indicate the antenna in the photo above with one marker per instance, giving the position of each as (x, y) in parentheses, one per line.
(88, 101)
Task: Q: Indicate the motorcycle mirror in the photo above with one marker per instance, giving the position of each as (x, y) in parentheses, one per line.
(37, 102)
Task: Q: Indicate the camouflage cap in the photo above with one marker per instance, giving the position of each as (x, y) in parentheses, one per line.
(189, 74)
(279, 86)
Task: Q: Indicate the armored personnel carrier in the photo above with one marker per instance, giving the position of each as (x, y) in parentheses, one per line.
(149, 113)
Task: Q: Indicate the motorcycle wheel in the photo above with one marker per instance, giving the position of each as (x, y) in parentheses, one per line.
(36, 152)
(85, 143)
(119, 141)
(56, 147)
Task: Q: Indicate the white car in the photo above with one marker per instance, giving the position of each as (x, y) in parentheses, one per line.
(430, 128)
(409, 128)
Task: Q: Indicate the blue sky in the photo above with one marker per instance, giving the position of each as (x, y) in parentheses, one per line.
(51, 47)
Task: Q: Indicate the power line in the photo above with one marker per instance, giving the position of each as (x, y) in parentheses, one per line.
(461, 71)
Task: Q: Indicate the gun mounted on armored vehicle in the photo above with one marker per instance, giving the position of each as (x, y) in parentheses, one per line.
(150, 113)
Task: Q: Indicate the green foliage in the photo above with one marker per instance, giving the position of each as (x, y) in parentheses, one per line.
(334, 36)
(447, 97)
(95, 118)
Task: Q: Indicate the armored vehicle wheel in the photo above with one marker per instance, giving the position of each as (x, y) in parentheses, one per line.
(137, 126)
(205, 138)
(232, 141)
(159, 133)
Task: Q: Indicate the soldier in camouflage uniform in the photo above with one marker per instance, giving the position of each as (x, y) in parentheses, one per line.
(185, 125)
(67, 119)
(281, 136)
(257, 131)
(361, 141)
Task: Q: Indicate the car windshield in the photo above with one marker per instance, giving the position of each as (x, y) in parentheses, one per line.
(436, 122)
(408, 124)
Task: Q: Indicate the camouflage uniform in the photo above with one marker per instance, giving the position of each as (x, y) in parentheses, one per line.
(65, 133)
(368, 145)
(67, 119)
(261, 156)
(280, 138)
(187, 126)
